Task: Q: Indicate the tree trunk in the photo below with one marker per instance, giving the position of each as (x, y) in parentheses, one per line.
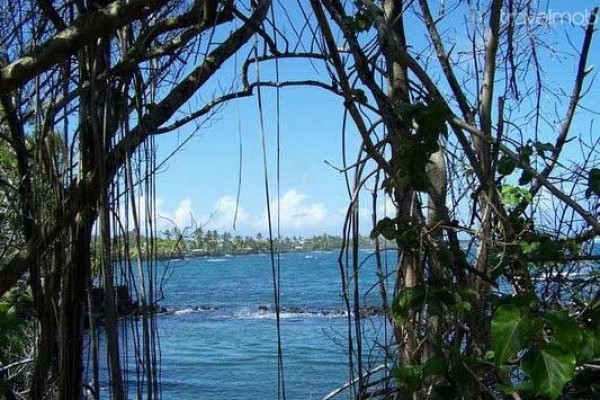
(73, 295)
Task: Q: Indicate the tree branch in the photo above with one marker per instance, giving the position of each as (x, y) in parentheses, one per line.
(86, 189)
(444, 60)
(542, 180)
(179, 95)
(85, 30)
(574, 101)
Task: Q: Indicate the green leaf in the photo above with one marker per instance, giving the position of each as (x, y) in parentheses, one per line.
(464, 306)
(386, 228)
(435, 366)
(360, 96)
(409, 238)
(135, 50)
(549, 368)
(468, 293)
(525, 152)
(593, 183)
(543, 147)
(431, 119)
(525, 178)
(407, 300)
(523, 300)
(514, 195)
(590, 350)
(408, 377)
(508, 332)
(363, 19)
(529, 248)
(565, 330)
(506, 165)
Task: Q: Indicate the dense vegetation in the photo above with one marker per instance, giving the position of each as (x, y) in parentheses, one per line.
(175, 244)
(470, 121)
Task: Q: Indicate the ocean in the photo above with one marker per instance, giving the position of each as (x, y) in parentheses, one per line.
(218, 339)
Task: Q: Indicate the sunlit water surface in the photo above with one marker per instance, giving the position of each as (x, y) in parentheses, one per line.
(219, 338)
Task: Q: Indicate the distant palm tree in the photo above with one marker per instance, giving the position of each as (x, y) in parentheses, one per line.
(198, 235)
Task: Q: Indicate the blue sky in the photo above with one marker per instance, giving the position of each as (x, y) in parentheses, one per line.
(202, 178)
(200, 182)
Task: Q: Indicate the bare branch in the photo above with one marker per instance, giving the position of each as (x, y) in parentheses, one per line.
(85, 30)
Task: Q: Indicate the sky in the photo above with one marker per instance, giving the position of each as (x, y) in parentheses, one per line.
(200, 183)
(198, 186)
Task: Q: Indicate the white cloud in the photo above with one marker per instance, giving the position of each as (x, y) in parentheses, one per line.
(224, 214)
(296, 213)
(184, 215)
(221, 217)
(142, 207)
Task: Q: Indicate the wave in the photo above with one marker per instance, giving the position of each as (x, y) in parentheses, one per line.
(216, 260)
(265, 312)
(269, 315)
(191, 310)
(268, 312)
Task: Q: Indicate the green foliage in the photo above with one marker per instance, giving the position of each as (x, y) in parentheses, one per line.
(363, 20)
(436, 366)
(414, 150)
(360, 96)
(514, 195)
(385, 227)
(403, 231)
(542, 148)
(407, 301)
(565, 331)
(506, 165)
(549, 367)
(430, 120)
(8, 320)
(511, 328)
(410, 378)
(546, 247)
(12, 326)
(441, 297)
(546, 347)
(593, 183)
(177, 244)
(525, 178)
(590, 349)
(542, 348)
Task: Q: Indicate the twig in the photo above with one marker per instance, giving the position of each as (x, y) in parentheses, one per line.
(346, 385)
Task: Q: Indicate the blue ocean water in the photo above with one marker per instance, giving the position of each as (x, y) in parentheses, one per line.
(219, 341)
(219, 338)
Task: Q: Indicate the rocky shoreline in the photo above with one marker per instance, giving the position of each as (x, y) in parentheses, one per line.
(264, 310)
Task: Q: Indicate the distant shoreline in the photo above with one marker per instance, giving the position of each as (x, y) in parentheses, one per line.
(174, 244)
(194, 255)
